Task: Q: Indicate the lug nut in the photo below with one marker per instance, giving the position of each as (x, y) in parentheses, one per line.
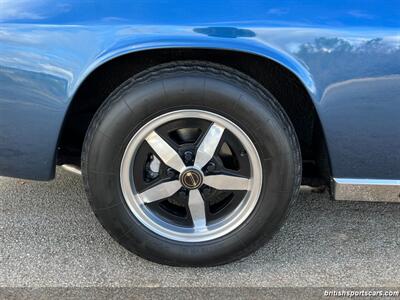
(206, 191)
(188, 156)
(182, 193)
(170, 173)
(211, 167)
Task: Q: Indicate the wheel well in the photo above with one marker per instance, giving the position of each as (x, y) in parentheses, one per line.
(284, 85)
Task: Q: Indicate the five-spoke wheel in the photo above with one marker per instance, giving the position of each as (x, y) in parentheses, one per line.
(191, 175)
(191, 164)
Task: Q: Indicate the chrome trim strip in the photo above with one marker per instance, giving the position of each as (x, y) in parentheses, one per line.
(72, 169)
(374, 190)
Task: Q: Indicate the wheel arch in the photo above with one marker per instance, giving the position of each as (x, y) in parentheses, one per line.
(134, 60)
(280, 57)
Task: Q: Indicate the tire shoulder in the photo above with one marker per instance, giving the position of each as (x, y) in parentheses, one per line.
(213, 69)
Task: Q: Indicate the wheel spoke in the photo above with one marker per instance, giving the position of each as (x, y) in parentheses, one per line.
(167, 154)
(161, 191)
(227, 182)
(197, 210)
(208, 145)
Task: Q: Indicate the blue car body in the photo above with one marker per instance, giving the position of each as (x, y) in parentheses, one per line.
(345, 53)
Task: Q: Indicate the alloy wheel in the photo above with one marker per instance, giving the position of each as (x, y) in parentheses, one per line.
(191, 175)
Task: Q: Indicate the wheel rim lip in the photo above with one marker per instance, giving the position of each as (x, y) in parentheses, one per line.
(186, 234)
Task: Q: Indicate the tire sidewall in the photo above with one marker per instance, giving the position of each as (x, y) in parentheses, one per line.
(139, 101)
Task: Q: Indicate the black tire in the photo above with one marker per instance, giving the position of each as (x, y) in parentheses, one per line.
(194, 85)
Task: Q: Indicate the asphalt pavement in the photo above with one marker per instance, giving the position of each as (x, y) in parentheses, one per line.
(50, 238)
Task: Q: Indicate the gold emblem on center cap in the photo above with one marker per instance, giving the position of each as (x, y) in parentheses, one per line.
(191, 179)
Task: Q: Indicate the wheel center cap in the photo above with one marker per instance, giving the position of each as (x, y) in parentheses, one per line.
(191, 178)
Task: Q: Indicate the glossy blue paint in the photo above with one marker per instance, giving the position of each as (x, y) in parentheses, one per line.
(346, 53)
